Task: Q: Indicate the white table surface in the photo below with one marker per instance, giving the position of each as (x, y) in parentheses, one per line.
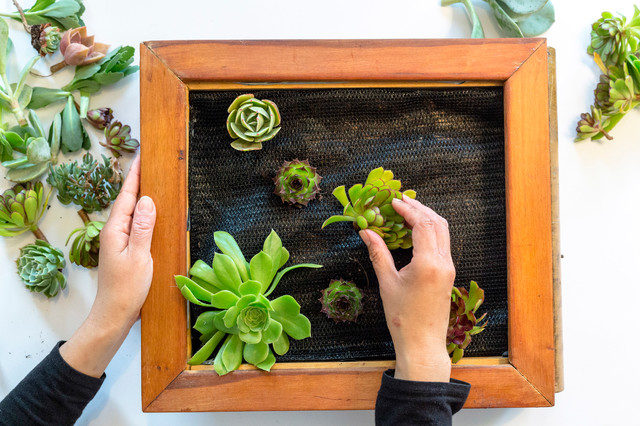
(599, 199)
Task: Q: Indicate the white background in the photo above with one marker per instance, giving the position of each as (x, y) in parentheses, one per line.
(599, 198)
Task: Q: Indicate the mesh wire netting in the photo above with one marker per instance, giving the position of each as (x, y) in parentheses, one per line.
(447, 144)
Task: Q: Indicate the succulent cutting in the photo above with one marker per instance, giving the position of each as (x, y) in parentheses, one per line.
(297, 182)
(63, 14)
(100, 117)
(89, 184)
(516, 18)
(462, 320)
(252, 121)
(85, 248)
(78, 48)
(38, 151)
(615, 49)
(118, 139)
(369, 206)
(40, 268)
(250, 326)
(341, 301)
(21, 208)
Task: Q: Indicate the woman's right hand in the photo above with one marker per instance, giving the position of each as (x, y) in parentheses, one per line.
(417, 299)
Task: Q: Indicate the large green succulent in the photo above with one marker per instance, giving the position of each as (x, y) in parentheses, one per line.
(252, 326)
(40, 268)
(342, 301)
(297, 182)
(369, 207)
(85, 248)
(21, 208)
(612, 37)
(89, 184)
(462, 319)
(252, 121)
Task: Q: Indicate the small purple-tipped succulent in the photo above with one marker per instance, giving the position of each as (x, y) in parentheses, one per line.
(341, 301)
(100, 117)
(462, 319)
(297, 182)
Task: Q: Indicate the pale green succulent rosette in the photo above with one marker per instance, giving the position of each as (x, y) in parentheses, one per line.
(21, 208)
(40, 268)
(85, 249)
(250, 326)
(252, 122)
(369, 206)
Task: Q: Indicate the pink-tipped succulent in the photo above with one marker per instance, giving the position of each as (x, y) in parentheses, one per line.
(100, 117)
(462, 320)
(297, 182)
(78, 48)
(341, 301)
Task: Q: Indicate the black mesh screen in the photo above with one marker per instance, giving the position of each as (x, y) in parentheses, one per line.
(447, 144)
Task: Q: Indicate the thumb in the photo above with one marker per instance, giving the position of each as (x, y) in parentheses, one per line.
(380, 255)
(144, 219)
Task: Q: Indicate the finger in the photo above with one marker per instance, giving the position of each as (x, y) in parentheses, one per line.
(442, 226)
(380, 256)
(423, 228)
(144, 219)
(120, 217)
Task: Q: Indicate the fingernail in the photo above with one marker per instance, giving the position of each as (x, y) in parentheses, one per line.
(395, 200)
(365, 237)
(145, 205)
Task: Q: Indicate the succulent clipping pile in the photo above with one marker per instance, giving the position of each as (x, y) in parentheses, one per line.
(615, 47)
(516, 18)
(28, 151)
(250, 326)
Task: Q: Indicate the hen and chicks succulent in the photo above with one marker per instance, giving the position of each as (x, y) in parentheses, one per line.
(341, 301)
(297, 182)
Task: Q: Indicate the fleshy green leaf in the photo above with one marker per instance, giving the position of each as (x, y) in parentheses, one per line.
(506, 23)
(523, 7)
(228, 245)
(4, 41)
(267, 363)
(71, 135)
(285, 270)
(539, 22)
(250, 287)
(287, 312)
(38, 151)
(273, 331)
(204, 272)
(207, 349)
(334, 219)
(232, 355)
(224, 299)
(42, 97)
(256, 353)
(273, 247)
(261, 267)
(281, 344)
(226, 272)
(341, 194)
(204, 324)
(192, 291)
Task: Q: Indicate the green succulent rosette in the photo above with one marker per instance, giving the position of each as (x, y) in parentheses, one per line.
(297, 182)
(40, 268)
(85, 249)
(245, 324)
(21, 208)
(252, 122)
(369, 206)
(612, 37)
(45, 38)
(88, 184)
(462, 319)
(342, 301)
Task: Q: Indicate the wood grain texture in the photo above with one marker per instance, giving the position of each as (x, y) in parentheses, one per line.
(345, 60)
(328, 389)
(163, 121)
(528, 203)
(526, 379)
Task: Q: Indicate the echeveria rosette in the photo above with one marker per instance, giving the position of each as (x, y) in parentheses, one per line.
(40, 268)
(613, 38)
(252, 121)
(21, 208)
(369, 206)
(297, 182)
(342, 301)
(250, 326)
(118, 139)
(89, 184)
(462, 320)
(79, 48)
(85, 249)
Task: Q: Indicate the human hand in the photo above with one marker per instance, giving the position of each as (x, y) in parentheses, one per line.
(417, 299)
(124, 278)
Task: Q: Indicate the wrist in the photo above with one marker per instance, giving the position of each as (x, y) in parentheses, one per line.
(426, 362)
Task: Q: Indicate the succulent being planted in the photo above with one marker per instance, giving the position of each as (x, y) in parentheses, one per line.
(21, 208)
(89, 184)
(462, 320)
(85, 248)
(341, 301)
(252, 121)
(297, 182)
(369, 206)
(250, 326)
(40, 268)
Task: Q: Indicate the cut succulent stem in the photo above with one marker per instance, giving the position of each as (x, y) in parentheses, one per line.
(84, 216)
(39, 235)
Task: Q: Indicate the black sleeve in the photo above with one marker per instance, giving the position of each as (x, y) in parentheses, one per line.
(404, 402)
(52, 393)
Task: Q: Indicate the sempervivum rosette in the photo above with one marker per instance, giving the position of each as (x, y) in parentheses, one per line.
(297, 182)
(40, 268)
(341, 301)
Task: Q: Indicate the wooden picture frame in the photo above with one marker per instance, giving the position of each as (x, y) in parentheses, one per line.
(171, 69)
